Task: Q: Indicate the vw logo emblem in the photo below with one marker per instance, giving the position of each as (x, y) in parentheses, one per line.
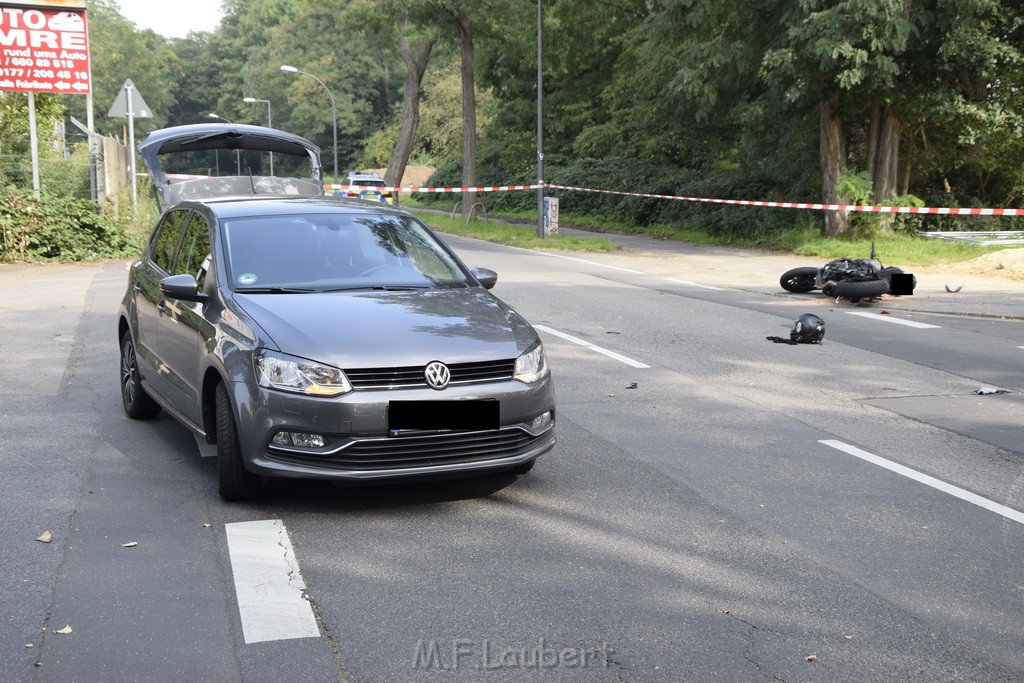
(437, 375)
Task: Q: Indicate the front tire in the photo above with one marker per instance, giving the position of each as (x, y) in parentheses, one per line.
(799, 280)
(234, 482)
(138, 405)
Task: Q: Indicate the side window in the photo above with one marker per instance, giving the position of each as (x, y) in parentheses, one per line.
(194, 249)
(167, 239)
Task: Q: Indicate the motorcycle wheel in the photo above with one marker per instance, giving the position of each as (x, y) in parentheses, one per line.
(799, 280)
(855, 290)
(887, 273)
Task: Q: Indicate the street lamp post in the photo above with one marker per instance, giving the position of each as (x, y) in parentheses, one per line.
(334, 112)
(270, 124)
(540, 119)
(238, 153)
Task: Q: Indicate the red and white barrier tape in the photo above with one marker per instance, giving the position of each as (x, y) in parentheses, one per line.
(453, 190)
(815, 207)
(951, 211)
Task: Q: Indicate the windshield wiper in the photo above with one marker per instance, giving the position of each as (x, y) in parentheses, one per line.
(377, 288)
(274, 290)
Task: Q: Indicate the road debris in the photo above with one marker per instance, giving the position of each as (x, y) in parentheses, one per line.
(954, 291)
(811, 658)
(130, 544)
(45, 537)
(64, 631)
(985, 391)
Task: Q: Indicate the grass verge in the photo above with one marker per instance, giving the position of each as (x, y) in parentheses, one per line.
(893, 248)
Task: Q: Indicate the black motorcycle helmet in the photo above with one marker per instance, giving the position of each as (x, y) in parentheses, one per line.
(808, 329)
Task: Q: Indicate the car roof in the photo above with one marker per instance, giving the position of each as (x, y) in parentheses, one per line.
(237, 207)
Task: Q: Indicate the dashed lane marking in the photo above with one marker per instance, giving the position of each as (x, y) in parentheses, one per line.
(927, 480)
(890, 319)
(268, 583)
(593, 347)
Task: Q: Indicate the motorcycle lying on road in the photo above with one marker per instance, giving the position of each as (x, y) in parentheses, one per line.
(851, 279)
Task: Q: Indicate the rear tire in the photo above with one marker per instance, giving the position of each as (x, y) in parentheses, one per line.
(138, 405)
(799, 280)
(863, 289)
(234, 482)
(887, 274)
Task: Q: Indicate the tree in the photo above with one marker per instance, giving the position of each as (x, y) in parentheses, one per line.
(120, 51)
(465, 18)
(389, 21)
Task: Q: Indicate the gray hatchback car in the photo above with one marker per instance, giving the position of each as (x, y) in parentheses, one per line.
(329, 338)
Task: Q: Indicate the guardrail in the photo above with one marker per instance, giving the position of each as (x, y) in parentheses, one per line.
(985, 239)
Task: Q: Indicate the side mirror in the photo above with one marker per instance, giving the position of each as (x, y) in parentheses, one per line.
(486, 277)
(183, 287)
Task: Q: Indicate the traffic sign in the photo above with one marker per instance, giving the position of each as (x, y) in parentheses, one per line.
(139, 108)
(44, 49)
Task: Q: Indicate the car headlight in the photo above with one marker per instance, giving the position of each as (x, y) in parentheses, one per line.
(532, 366)
(279, 371)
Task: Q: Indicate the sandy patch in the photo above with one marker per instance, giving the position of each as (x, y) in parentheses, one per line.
(1006, 264)
(415, 176)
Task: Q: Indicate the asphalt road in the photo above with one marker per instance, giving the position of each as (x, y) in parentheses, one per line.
(718, 506)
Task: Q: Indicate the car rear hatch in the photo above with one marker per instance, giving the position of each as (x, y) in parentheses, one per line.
(207, 160)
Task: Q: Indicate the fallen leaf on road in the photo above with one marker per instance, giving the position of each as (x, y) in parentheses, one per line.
(64, 631)
(848, 637)
(29, 645)
(811, 658)
(45, 537)
(131, 544)
(206, 525)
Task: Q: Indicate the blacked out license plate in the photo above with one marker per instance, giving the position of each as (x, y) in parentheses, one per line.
(473, 415)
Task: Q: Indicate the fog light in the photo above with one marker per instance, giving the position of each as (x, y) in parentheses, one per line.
(300, 439)
(541, 421)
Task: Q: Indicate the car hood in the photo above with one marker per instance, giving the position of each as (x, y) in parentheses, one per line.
(173, 187)
(391, 329)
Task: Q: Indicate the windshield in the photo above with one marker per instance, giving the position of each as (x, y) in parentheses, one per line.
(335, 252)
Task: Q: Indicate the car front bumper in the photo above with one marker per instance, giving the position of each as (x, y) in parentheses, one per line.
(361, 448)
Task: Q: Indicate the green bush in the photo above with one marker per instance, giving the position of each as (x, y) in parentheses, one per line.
(58, 228)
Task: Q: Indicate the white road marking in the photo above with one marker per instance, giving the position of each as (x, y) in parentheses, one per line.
(693, 284)
(890, 319)
(945, 487)
(270, 589)
(592, 263)
(592, 347)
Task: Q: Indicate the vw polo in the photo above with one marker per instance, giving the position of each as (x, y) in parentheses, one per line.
(326, 338)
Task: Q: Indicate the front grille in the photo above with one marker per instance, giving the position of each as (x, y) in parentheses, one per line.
(412, 376)
(423, 450)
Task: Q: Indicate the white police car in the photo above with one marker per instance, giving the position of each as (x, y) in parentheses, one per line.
(368, 186)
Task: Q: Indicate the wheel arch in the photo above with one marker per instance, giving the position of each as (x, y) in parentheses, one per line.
(208, 407)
